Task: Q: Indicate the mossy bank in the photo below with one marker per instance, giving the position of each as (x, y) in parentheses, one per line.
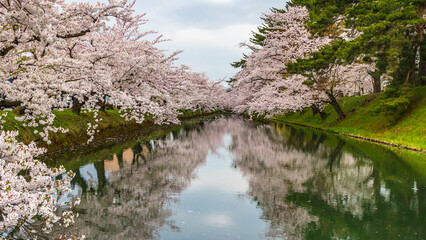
(111, 126)
(396, 121)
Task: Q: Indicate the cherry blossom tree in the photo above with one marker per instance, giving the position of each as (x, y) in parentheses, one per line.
(33, 38)
(264, 77)
(30, 191)
(135, 75)
(80, 56)
(291, 69)
(53, 51)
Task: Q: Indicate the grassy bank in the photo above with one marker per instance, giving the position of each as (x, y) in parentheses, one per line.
(112, 125)
(375, 117)
(74, 158)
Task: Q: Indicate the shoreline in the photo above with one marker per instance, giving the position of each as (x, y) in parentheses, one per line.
(65, 156)
(126, 132)
(368, 120)
(377, 141)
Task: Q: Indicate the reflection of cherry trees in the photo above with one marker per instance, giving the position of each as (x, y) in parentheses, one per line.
(132, 202)
(273, 169)
(133, 191)
(318, 186)
(308, 184)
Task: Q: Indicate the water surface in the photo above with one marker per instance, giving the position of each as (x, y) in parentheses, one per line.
(233, 179)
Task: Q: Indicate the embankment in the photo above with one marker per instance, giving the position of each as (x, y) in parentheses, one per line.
(375, 117)
(112, 126)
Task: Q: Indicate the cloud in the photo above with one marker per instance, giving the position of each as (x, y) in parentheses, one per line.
(210, 50)
(207, 30)
(227, 37)
(220, 1)
(218, 220)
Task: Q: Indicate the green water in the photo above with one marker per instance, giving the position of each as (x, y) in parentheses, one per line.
(232, 179)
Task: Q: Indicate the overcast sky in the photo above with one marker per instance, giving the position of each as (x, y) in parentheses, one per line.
(208, 31)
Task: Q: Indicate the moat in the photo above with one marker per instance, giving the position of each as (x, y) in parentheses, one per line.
(229, 178)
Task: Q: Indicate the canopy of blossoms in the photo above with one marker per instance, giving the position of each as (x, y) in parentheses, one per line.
(264, 86)
(56, 54)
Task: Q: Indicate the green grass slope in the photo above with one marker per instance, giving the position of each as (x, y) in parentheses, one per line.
(112, 125)
(376, 117)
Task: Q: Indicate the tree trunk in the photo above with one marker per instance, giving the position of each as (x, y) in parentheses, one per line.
(376, 185)
(76, 106)
(78, 179)
(336, 106)
(377, 84)
(100, 171)
(422, 52)
(422, 47)
(102, 104)
(120, 160)
(102, 109)
(336, 155)
(411, 70)
(422, 68)
(407, 79)
(317, 110)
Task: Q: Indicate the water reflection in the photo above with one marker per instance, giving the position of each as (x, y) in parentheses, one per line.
(232, 179)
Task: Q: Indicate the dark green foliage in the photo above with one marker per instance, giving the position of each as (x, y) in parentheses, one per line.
(319, 61)
(392, 30)
(241, 63)
(258, 38)
(394, 103)
(405, 73)
(392, 33)
(323, 14)
(393, 109)
(231, 80)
